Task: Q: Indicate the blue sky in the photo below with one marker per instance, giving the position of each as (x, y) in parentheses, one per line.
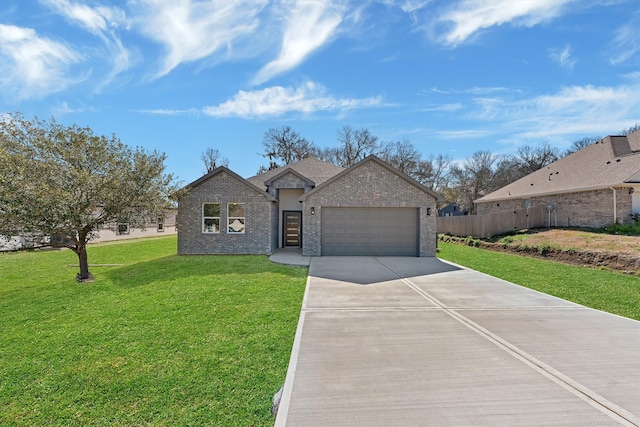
(451, 76)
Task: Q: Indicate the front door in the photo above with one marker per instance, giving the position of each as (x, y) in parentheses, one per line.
(291, 228)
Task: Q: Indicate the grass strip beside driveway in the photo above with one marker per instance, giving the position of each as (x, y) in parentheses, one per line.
(162, 340)
(604, 290)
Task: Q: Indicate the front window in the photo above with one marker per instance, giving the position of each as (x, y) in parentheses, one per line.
(235, 215)
(211, 217)
(160, 223)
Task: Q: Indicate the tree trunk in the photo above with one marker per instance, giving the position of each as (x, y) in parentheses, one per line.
(83, 260)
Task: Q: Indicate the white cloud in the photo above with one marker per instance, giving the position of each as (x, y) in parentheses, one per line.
(310, 25)
(277, 101)
(191, 30)
(563, 57)
(102, 22)
(470, 16)
(33, 66)
(626, 43)
(96, 20)
(574, 110)
(408, 6)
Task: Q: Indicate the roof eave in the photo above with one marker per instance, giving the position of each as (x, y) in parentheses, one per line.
(552, 193)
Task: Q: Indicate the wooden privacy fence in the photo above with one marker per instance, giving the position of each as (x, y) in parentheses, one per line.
(483, 226)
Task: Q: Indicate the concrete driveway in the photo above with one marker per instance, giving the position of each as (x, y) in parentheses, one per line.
(417, 341)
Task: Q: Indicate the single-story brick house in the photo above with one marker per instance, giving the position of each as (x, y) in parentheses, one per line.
(367, 209)
(593, 187)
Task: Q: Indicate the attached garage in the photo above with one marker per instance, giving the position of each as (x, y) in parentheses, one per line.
(370, 231)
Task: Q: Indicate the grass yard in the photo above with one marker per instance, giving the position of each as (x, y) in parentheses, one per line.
(158, 340)
(600, 289)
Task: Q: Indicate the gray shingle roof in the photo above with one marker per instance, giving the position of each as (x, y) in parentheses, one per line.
(612, 161)
(311, 168)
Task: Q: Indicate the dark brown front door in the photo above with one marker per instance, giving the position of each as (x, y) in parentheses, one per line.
(291, 228)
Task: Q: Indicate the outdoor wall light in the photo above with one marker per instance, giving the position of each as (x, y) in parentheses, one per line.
(631, 190)
(313, 210)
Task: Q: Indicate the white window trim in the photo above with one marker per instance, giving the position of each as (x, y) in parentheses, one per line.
(210, 217)
(160, 224)
(243, 218)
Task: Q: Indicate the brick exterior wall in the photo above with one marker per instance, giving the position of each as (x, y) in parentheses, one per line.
(592, 209)
(369, 185)
(261, 216)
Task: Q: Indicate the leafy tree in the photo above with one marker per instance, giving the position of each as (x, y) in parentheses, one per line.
(64, 183)
(212, 160)
(283, 146)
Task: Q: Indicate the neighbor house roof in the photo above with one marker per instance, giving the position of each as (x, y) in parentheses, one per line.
(612, 161)
(385, 165)
(310, 168)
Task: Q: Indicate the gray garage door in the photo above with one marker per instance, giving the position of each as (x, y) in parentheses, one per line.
(370, 231)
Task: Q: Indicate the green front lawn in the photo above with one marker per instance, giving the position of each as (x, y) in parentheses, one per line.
(160, 339)
(600, 289)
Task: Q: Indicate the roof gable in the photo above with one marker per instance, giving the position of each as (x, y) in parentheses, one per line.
(609, 162)
(380, 162)
(241, 180)
(289, 171)
(310, 168)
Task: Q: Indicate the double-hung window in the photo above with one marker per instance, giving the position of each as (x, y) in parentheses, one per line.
(235, 218)
(211, 217)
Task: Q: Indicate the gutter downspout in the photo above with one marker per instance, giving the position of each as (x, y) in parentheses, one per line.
(615, 207)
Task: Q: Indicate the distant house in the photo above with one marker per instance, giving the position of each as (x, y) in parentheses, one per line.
(367, 209)
(593, 187)
(452, 209)
(162, 225)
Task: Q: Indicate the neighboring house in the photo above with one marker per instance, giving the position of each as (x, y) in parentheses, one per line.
(367, 209)
(452, 209)
(593, 187)
(162, 225)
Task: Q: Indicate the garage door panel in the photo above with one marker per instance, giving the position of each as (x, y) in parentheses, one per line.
(370, 231)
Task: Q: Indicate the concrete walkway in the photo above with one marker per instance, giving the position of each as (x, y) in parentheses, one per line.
(290, 256)
(417, 341)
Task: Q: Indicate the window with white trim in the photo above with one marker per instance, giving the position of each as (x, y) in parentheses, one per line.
(235, 218)
(211, 218)
(160, 225)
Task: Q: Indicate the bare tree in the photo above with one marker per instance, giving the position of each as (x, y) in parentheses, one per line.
(354, 146)
(581, 143)
(433, 172)
(632, 129)
(212, 160)
(474, 177)
(530, 159)
(283, 146)
(402, 155)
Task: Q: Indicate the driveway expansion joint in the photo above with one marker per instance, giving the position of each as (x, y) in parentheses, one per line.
(604, 405)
